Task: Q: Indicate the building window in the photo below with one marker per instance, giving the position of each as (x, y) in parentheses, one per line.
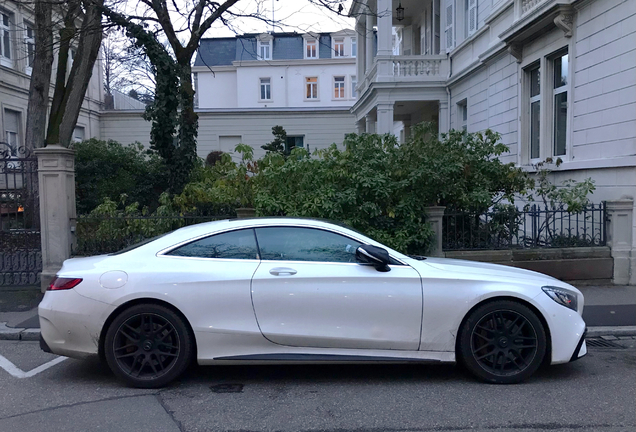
(12, 129)
(560, 107)
(534, 76)
(338, 47)
(195, 83)
(311, 49)
(354, 83)
(354, 47)
(29, 43)
(293, 141)
(5, 39)
(266, 89)
(311, 88)
(462, 114)
(339, 87)
(78, 134)
(264, 50)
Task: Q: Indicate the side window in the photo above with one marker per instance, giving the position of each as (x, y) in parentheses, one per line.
(305, 244)
(238, 244)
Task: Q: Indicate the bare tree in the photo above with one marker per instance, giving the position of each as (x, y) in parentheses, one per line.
(77, 24)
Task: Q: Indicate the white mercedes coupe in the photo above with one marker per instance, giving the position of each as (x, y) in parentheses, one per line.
(283, 290)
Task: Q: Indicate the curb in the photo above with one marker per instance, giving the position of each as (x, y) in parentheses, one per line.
(33, 334)
(19, 334)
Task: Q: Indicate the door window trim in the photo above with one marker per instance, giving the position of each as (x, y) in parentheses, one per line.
(164, 252)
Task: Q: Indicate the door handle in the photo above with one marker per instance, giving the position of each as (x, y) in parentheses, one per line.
(277, 271)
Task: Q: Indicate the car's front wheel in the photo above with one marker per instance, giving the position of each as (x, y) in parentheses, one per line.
(148, 346)
(502, 342)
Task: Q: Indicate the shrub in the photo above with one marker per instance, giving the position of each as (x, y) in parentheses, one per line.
(107, 169)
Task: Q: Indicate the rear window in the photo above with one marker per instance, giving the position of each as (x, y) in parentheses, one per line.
(136, 245)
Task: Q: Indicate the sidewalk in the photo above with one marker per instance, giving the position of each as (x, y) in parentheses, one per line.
(609, 310)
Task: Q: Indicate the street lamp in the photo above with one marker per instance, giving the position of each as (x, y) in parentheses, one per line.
(399, 12)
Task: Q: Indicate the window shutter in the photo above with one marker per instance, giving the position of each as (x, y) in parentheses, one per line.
(450, 20)
(472, 16)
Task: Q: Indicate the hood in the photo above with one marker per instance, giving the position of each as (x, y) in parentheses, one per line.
(481, 269)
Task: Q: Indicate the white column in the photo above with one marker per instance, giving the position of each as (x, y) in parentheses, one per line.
(385, 118)
(361, 31)
(385, 25)
(620, 234)
(361, 126)
(370, 123)
(369, 22)
(56, 177)
(443, 117)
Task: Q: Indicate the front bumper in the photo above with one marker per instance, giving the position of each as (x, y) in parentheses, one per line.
(581, 348)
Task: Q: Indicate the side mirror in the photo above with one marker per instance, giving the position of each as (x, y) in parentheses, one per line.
(375, 256)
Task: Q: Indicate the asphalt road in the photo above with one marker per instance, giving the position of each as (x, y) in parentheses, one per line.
(596, 393)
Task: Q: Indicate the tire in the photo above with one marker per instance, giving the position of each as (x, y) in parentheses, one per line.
(148, 346)
(502, 342)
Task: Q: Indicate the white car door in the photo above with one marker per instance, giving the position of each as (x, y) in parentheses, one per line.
(309, 291)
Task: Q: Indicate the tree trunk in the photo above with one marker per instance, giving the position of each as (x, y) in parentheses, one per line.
(82, 69)
(188, 125)
(57, 106)
(40, 76)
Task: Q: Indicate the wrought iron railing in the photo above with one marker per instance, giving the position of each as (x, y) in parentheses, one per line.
(532, 227)
(20, 251)
(97, 235)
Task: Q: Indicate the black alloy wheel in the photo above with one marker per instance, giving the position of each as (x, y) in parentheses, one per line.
(502, 342)
(148, 346)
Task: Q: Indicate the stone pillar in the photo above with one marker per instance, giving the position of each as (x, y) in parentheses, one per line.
(56, 176)
(368, 55)
(385, 118)
(361, 35)
(385, 26)
(619, 239)
(443, 126)
(434, 216)
(370, 123)
(361, 126)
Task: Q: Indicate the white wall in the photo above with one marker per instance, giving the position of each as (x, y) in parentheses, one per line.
(217, 90)
(240, 88)
(604, 109)
(319, 128)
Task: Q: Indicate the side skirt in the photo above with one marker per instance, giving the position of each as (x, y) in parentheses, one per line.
(311, 358)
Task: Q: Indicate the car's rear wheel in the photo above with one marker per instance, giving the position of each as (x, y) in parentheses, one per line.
(148, 346)
(502, 342)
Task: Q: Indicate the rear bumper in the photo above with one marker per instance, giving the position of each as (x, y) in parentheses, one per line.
(70, 324)
(581, 348)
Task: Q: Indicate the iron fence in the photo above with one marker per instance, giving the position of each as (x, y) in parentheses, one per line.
(97, 235)
(532, 227)
(20, 250)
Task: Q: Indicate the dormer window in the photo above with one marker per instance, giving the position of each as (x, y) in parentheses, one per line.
(264, 46)
(264, 50)
(311, 49)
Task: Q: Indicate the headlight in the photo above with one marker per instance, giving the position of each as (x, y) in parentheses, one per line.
(562, 296)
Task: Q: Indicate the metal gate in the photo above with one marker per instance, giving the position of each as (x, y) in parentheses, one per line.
(20, 246)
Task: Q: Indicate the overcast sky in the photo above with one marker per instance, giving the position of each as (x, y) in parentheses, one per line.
(296, 15)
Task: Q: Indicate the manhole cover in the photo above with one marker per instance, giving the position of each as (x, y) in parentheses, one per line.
(601, 343)
(227, 388)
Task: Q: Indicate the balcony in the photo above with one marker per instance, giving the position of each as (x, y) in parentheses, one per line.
(407, 69)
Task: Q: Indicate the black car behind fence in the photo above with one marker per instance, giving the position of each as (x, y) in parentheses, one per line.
(20, 250)
(531, 227)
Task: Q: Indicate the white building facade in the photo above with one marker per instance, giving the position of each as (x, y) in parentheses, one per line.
(17, 41)
(248, 84)
(557, 79)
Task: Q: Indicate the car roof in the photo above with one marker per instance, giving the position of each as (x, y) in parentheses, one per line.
(207, 228)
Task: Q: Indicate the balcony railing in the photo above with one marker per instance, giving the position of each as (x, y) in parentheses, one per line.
(414, 66)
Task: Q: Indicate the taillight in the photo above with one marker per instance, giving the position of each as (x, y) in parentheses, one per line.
(58, 284)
